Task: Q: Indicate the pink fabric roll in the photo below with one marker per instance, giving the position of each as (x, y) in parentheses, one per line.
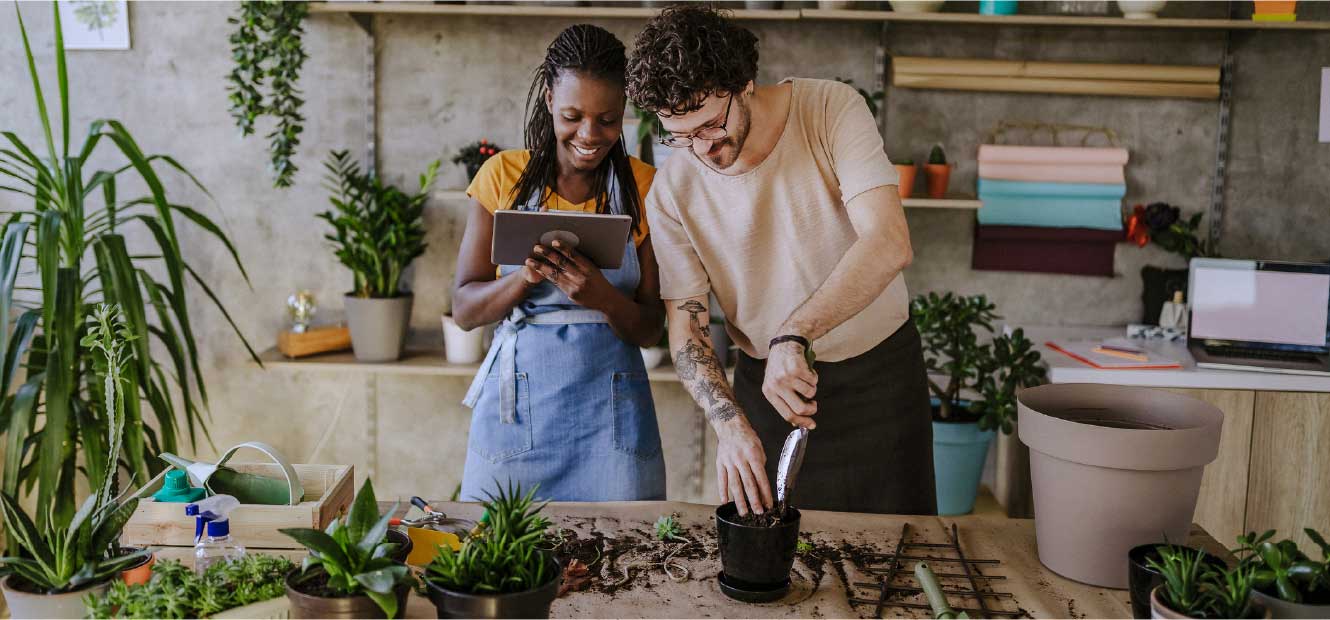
(1059, 164)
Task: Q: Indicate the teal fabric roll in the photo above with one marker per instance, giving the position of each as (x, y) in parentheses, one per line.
(1058, 205)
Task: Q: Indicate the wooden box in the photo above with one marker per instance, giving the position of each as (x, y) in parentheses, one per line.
(328, 493)
(326, 339)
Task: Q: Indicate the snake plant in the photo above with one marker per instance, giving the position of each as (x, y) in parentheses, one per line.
(67, 224)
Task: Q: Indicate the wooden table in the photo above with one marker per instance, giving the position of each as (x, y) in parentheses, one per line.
(1035, 590)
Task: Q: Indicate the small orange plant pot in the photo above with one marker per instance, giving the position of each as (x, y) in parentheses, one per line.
(938, 177)
(907, 173)
(1275, 6)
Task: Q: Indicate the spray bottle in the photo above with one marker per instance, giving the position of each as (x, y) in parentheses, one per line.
(212, 531)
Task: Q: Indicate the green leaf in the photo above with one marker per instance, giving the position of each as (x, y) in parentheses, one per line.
(318, 542)
(382, 580)
(386, 602)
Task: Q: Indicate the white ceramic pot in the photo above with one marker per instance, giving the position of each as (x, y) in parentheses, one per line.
(835, 5)
(652, 357)
(916, 6)
(1141, 9)
(68, 605)
(461, 346)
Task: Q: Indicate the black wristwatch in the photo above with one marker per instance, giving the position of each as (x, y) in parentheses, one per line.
(803, 342)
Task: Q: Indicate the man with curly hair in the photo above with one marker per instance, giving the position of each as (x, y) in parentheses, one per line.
(786, 209)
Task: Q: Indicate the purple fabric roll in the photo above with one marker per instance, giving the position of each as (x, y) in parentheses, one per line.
(1076, 251)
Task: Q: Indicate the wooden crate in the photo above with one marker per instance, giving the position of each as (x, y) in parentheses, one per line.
(328, 493)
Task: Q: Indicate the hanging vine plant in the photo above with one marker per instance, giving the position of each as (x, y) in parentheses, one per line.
(268, 53)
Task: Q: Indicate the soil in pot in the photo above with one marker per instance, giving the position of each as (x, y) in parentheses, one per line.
(311, 598)
(756, 557)
(1143, 579)
(27, 601)
(534, 603)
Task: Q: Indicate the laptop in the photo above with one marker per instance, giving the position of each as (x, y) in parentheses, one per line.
(1265, 316)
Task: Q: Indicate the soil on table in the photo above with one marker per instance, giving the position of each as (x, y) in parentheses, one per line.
(629, 558)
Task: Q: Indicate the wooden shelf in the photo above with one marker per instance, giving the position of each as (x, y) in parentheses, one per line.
(523, 10)
(414, 362)
(956, 202)
(1057, 20)
(532, 9)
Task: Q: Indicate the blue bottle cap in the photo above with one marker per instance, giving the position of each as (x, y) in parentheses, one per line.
(217, 529)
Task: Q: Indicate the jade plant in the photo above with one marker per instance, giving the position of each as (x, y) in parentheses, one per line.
(503, 554)
(950, 326)
(176, 591)
(354, 553)
(1283, 570)
(377, 229)
(1197, 589)
(268, 52)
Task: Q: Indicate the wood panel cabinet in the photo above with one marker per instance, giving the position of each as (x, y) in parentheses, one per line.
(1222, 506)
(1290, 465)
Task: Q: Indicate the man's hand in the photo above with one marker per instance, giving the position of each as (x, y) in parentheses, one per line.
(790, 384)
(741, 468)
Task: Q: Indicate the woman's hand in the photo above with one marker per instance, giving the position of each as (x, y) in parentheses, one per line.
(574, 274)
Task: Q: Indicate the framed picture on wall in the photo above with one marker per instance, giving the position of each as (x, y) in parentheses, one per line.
(95, 24)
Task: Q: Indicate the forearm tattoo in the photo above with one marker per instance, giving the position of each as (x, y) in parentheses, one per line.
(701, 372)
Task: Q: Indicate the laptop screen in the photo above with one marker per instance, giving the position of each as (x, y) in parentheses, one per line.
(1236, 301)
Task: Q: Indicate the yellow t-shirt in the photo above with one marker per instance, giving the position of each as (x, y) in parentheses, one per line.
(493, 187)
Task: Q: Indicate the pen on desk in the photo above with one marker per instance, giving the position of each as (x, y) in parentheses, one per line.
(1122, 354)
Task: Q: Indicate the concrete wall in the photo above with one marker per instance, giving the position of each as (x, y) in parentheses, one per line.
(446, 81)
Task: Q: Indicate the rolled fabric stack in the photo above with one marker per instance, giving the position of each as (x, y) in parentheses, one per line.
(1049, 209)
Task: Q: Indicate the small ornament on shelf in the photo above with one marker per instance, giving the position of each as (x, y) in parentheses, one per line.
(301, 308)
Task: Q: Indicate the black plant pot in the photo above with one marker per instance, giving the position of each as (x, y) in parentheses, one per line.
(1141, 579)
(756, 558)
(1159, 285)
(534, 603)
(404, 545)
(471, 171)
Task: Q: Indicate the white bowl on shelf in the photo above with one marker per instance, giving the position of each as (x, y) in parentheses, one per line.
(1141, 9)
(652, 357)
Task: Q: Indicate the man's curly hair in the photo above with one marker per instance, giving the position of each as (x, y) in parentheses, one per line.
(684, 54)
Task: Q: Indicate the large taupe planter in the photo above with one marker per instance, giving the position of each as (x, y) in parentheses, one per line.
(24, 604)
(378, 326)
(1112, 467)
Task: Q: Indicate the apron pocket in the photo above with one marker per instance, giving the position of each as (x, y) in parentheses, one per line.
(490, 437)
(635, 430)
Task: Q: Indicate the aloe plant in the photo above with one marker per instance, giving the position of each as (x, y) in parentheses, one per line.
(503, 554)
(354, 553)
(56, 557)
(74, 219)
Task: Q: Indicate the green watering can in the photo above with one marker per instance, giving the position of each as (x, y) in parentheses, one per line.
(248, 488)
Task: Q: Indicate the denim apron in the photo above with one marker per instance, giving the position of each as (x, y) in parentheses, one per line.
(563, 402)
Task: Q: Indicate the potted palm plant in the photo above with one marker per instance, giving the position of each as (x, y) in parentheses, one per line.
(1195, 588)
(377, 231)
(500, 570)
(950, 326)
(349, 572)
(1288, 581)
(50, 568)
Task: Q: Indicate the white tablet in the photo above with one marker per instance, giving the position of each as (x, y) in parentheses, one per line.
(601, 238)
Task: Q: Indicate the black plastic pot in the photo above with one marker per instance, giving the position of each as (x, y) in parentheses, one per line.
(1141, 579)
(310, 606)
(533, 603)
(404, 545)
(756, 558)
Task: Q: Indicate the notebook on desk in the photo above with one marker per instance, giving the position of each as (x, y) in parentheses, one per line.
(1112, 355)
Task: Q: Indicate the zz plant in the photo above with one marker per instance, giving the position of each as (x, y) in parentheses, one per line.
(504, 554)
(66, 224)
(354, 554)
(377, 228)
(268, 53)
(57, 557)
(950, 327)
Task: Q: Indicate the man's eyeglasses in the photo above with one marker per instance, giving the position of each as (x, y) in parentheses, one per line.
(705, 133)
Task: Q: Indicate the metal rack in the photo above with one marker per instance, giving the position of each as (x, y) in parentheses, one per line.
(969, 568)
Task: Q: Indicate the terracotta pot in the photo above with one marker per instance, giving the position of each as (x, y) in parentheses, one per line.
(1112, 467)
(26, 604)
(1275, 6)
(533, 603)
(310, 606)
(139, 573)
(907, 173)
(938, 177)
(1280, 608)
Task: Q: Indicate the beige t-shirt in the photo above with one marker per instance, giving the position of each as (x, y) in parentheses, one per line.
(765, 240)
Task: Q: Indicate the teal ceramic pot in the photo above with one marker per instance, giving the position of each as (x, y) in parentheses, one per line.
(997, 7)
(959, 452)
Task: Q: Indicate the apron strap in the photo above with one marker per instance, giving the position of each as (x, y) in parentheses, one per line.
(504, 351)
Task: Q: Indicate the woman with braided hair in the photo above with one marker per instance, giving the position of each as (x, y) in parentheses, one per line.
(562, 399)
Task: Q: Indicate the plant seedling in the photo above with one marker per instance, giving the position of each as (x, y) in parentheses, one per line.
(668, 528)
(937, 156)
(803, 546)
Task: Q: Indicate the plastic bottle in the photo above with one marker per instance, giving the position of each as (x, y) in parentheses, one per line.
(212, 516)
